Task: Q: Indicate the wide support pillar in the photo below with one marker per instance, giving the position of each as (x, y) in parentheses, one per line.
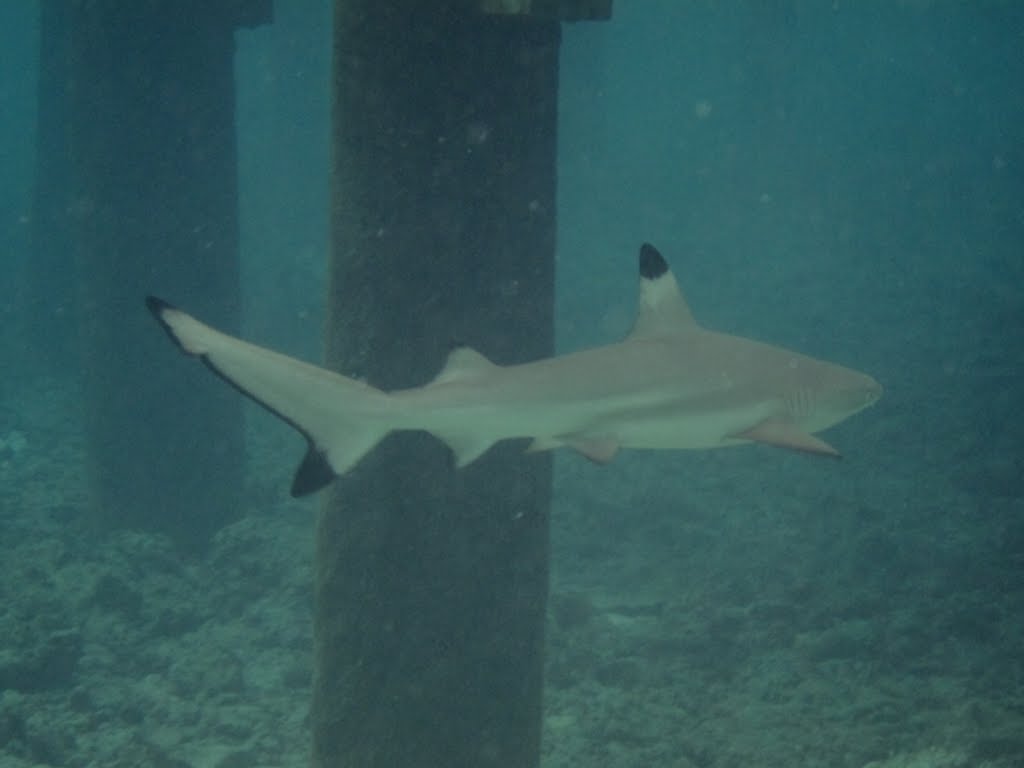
(150, 120)
(431, 582)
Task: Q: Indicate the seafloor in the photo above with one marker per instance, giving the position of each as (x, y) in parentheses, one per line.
(738, 608)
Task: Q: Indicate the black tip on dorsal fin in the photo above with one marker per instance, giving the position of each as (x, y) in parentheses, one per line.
(661, 309)
(652, 264)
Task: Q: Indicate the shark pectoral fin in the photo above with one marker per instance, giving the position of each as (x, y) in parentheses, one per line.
(784, 434)
(599, 450)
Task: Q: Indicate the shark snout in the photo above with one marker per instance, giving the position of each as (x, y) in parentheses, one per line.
(841, 394)
(874, 393)
(870, 391)
(857, 394)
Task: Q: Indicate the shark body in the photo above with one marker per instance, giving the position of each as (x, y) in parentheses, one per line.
(670, 384)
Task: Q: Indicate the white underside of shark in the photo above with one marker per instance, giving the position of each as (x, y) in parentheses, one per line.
(670, 384)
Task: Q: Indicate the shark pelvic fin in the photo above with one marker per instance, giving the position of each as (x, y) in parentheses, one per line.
(783, 434)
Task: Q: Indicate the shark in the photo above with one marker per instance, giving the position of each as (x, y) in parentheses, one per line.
(670, 384)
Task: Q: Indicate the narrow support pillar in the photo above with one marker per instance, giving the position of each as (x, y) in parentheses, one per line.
(431, 582)
(150, 120)
(51, 283)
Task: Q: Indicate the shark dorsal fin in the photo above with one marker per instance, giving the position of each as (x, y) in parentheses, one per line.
(463, 363)
(662, 310)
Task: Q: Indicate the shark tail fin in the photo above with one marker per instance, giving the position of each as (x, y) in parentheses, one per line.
(341, 418)
(334, 456)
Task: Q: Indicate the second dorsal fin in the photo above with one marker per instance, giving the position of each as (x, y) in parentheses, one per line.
(463, 363)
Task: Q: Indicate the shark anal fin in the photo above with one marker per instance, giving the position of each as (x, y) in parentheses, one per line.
(783, 434)
(313, 473)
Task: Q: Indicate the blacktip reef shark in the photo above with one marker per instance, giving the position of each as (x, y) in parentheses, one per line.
(670, 384)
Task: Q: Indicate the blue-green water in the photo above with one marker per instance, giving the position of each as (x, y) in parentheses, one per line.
(841, 178)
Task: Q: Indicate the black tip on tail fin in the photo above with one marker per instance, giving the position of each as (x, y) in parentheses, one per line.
(313, 473)
(652, 264)
(158, 307)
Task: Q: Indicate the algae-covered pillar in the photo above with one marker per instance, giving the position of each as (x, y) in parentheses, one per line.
(151, 129)
(431, 582)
